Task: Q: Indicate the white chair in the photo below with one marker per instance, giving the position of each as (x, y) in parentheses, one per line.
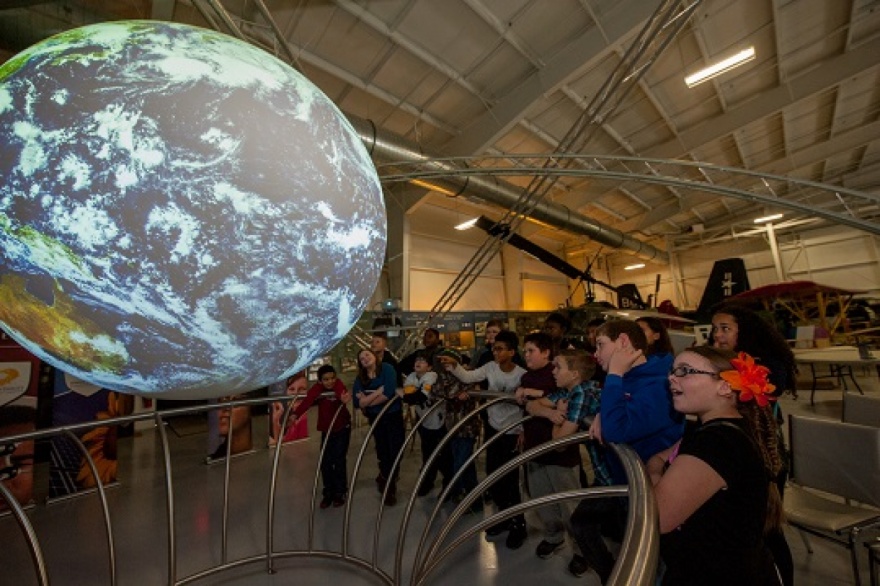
(805, 337)
(861, 410)
(843, 461)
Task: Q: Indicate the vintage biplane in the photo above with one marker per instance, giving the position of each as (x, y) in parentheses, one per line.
(810, 303)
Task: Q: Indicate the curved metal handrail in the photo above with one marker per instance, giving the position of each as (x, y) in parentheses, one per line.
(636, 562)
(594, 165)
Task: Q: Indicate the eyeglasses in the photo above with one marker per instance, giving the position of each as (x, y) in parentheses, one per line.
(682, 371)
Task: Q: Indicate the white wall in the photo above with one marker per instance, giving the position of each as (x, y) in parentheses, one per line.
(845, 259)
(835, 256)
(437, 254)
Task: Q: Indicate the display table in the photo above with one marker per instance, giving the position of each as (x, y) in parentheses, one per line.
(839, 360)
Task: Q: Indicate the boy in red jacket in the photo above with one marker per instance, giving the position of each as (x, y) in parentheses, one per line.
(335, 439)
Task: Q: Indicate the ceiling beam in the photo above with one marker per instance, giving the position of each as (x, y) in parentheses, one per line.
(505, 32)
(841, 143)
(788, 165)
(626, 16)
(832, 72)
(408, 44)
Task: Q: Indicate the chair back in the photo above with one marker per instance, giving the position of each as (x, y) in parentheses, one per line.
(702, 334)
(836, 457)
(861, 410)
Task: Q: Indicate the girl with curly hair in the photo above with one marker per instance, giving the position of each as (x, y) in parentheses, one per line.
(738, 328)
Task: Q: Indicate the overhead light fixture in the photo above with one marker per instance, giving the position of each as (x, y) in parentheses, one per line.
(722, 66)
(537, 222)
(468, 224)
(639, 265)
(769, 218)
(433, 187)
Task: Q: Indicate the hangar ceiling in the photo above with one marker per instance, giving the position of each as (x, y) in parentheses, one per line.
(500, 83)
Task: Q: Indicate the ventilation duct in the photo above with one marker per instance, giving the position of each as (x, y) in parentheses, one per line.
(386, 146)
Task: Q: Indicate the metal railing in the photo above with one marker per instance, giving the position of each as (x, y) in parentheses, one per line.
(636, 562)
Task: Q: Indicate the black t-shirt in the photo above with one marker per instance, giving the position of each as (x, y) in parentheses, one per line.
(722, 542)
(388, 358)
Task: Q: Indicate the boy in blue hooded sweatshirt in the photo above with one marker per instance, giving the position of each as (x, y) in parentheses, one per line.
(636, 409)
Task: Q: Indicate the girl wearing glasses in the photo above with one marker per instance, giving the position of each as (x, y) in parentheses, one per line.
(715, 491)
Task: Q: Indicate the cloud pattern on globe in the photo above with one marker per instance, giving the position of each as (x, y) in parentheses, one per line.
(181, 213)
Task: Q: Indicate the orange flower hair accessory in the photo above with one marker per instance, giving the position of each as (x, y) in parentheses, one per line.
(750, 380)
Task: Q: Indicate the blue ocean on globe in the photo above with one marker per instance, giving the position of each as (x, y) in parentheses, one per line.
(181, 213)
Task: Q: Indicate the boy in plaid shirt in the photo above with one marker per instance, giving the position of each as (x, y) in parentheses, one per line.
(591, 391)
(565, 408)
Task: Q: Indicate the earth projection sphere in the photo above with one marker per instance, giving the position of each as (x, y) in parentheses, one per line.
(181, 213)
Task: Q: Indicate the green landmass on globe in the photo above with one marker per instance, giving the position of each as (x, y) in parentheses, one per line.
(83, 343)
(181, 213)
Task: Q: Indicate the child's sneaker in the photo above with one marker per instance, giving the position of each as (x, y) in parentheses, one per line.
(546, 549)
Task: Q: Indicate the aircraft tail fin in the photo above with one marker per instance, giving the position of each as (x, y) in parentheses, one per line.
(628, 297)
(728, 278)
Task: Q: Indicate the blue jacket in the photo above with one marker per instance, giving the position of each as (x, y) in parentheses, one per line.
(386, 378)
(636, 409)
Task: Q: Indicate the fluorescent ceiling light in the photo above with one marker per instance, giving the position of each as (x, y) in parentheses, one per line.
(468, 224)
(723, 66)
(769, 218)
(640, 265)
(433, 187)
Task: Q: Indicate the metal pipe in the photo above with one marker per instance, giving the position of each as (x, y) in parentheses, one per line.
(279, 36)
(169, 500)
(519, 509)
(321, 454)
(635, 564)
(472, 459)
(346, 524)
(390, 147)
(273, 483)
(227, 19)
(410, 503)
(389, 482)
(640, 550)
(29, 534)
(102, 494)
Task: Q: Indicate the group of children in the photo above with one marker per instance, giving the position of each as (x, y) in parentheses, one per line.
(556, 387)
(553, 393)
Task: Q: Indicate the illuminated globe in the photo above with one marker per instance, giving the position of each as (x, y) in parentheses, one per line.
(180, 212)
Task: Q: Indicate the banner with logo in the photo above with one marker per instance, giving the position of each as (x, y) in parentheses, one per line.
(76, 401)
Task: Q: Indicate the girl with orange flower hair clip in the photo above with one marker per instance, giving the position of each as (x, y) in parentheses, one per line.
(715, 491)
(738, 328)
